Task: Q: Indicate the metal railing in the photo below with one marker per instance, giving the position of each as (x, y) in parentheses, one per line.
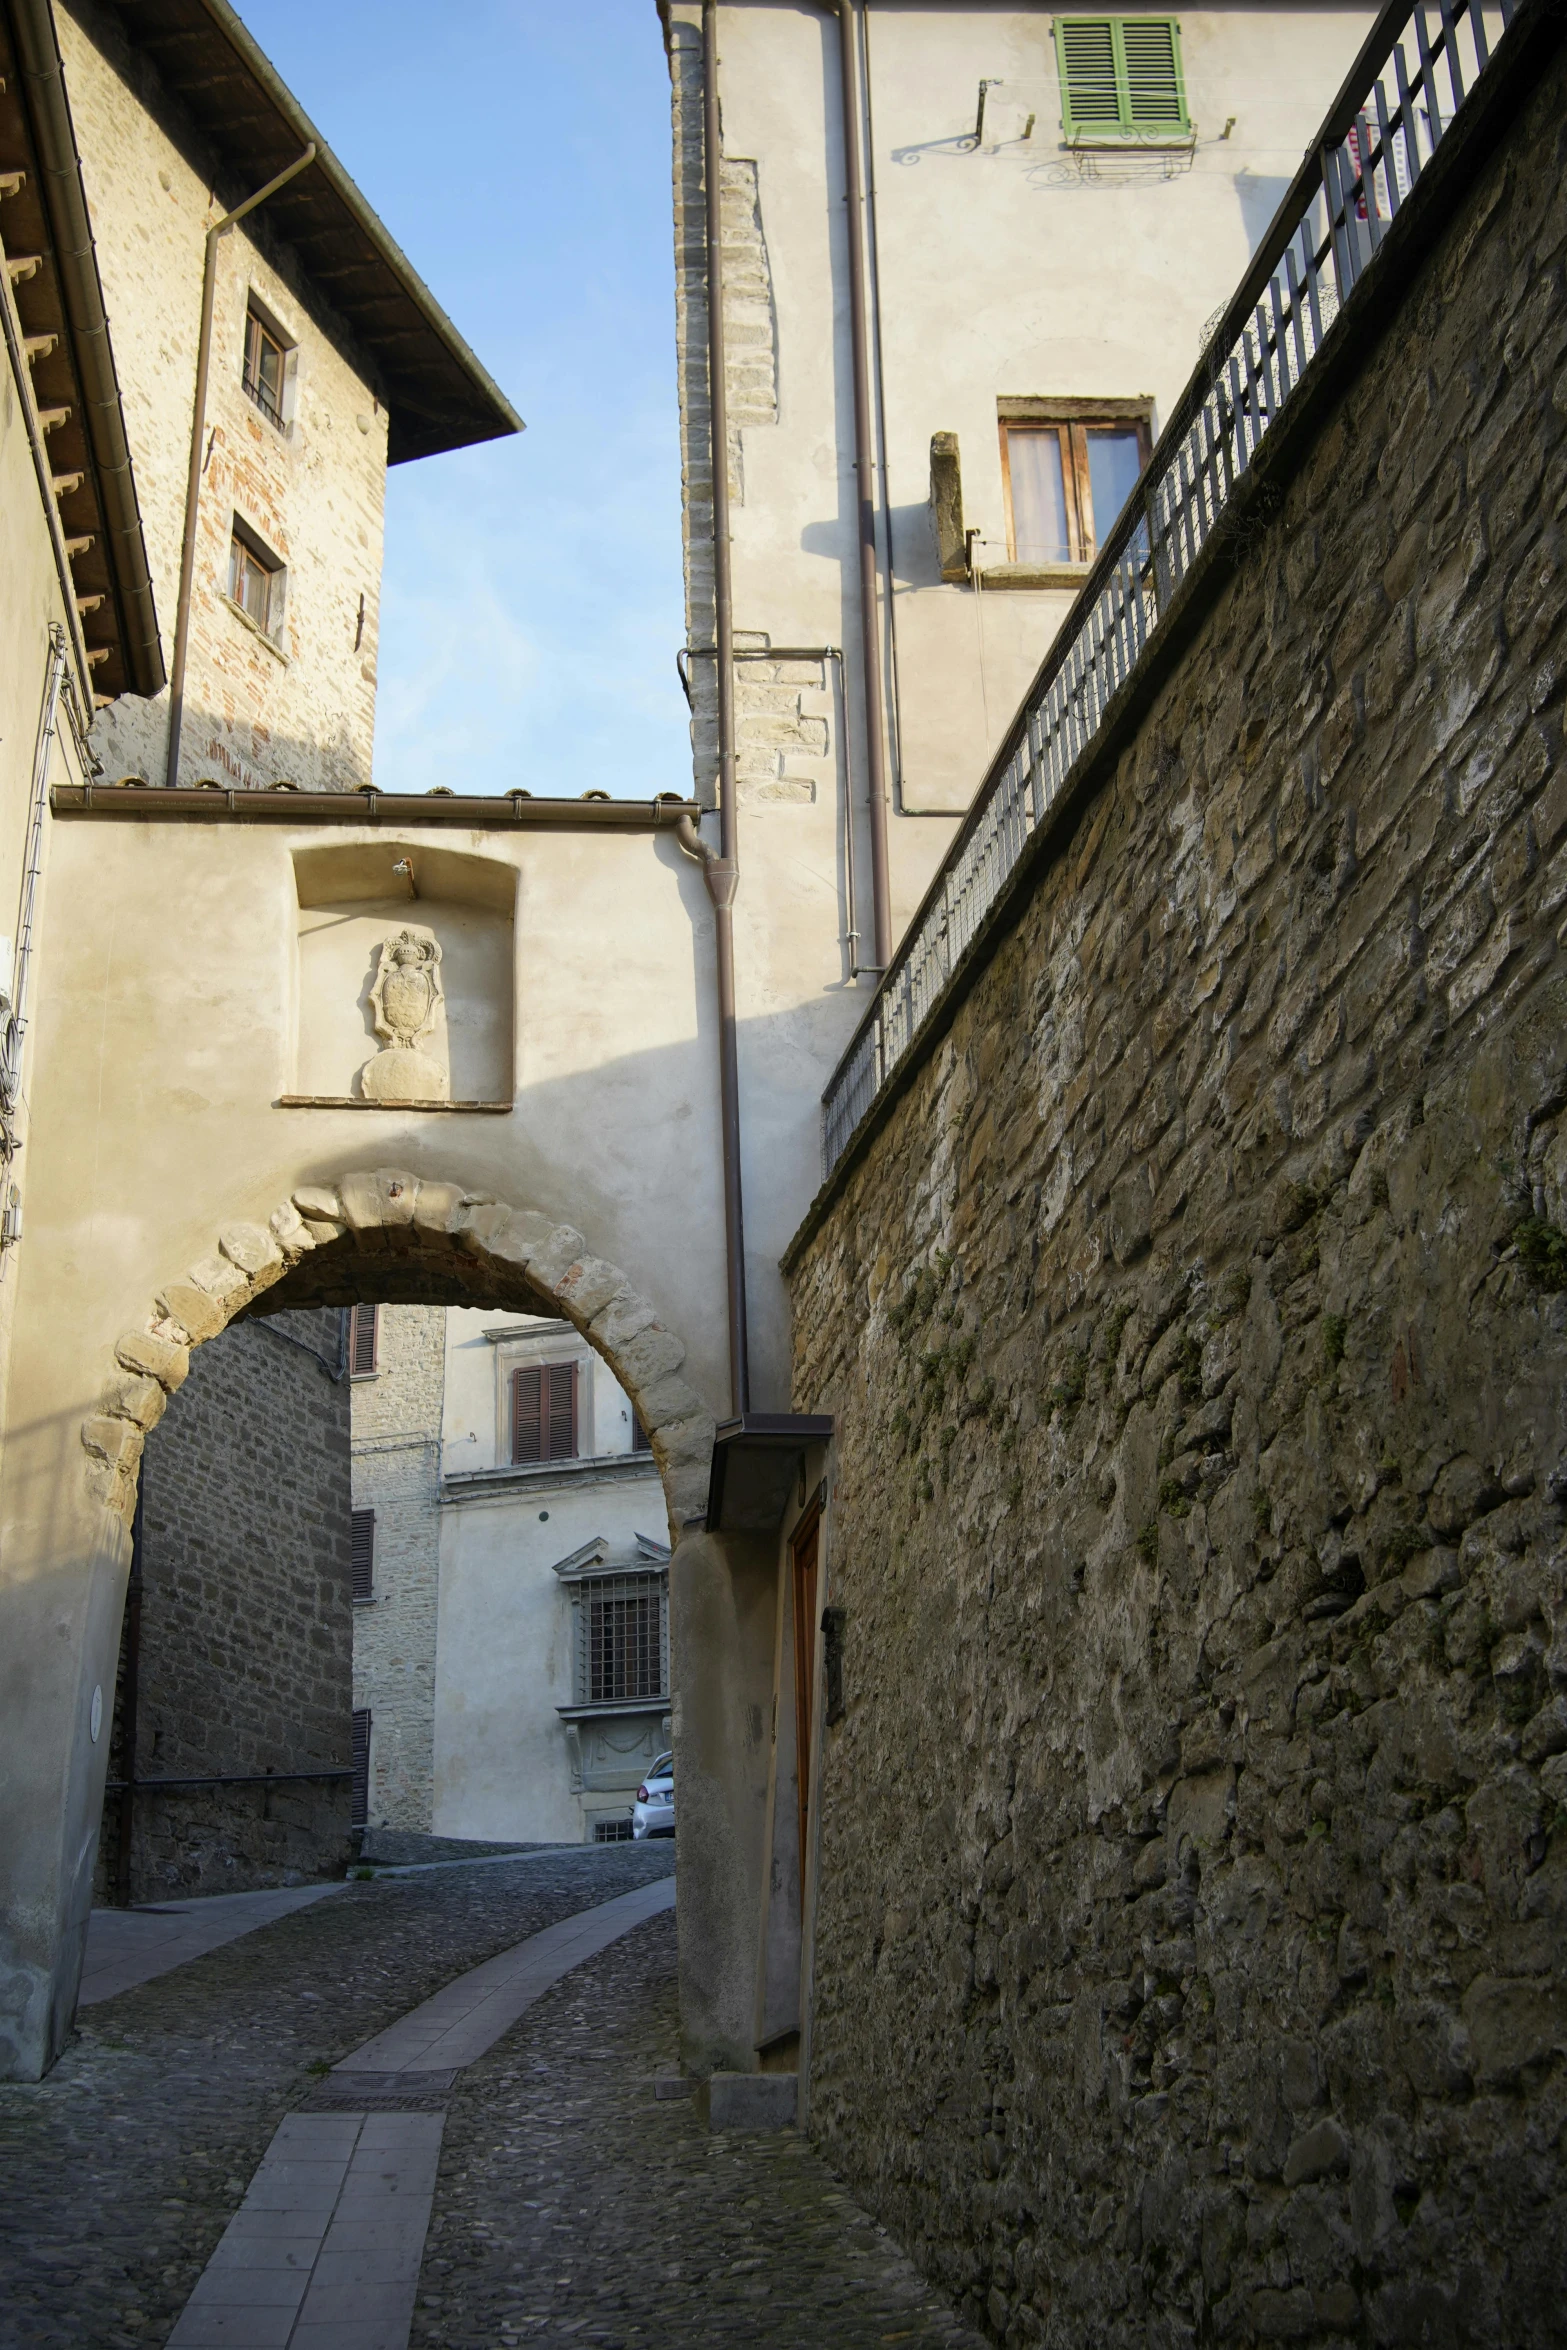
(1407, 85)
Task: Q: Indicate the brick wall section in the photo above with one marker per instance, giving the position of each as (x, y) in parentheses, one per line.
(1189, 1963)
(246, 1631)
(303, 711)
(397, 1473)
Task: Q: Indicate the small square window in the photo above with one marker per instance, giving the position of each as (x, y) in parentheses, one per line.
(265, 370)
(1121, 78)
(256, 580)
(1067, 473)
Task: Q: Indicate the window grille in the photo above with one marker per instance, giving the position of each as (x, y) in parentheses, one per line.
(364, 1333)
(360, 1813)
(361, 1539)
(613, 1831)
(622, 1638)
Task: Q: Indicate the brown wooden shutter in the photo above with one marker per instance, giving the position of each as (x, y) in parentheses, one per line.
(361, 1765)
(544, 1413)
(361, 1537)
(640, 1440)
(562, 1378)
(362, 1336)
(527, 1415)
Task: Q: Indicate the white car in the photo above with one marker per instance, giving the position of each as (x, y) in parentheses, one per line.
(653, 1813)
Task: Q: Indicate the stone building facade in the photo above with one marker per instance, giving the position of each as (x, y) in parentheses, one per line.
(294, 697)
(236, 1655)
(1193, 1877)
(316, 381)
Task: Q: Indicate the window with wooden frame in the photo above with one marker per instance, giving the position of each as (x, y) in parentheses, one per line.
(544, 1413)
(1067, 469)
(1121, 78)
(361, 1549)
(256, 580)
(364, 1338)
(264, 372)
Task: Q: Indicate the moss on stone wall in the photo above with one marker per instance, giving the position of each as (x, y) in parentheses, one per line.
(1193, 1887)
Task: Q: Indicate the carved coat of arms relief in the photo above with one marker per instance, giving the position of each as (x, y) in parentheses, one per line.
(406, 1001)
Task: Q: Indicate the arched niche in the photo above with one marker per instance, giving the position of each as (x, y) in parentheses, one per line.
(353, 899)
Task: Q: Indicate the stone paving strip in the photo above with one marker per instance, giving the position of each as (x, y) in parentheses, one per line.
(324, 2252)
(279, 2279)
(121, 2171)
(575, 2208)
(130, 1946)
(566, 2205)
(463, 2022)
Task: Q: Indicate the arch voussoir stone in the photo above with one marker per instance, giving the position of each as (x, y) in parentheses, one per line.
(555, 1264)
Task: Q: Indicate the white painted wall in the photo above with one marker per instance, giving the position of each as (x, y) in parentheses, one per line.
(505, 1762)
(1018, 270)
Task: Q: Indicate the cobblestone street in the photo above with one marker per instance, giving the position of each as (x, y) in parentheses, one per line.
(569, 2204)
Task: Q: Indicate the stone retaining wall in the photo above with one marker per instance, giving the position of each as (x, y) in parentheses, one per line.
(1193, 1865)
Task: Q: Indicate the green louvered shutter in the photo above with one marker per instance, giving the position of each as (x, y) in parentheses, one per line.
(1150, 51)
(1121, 77)
(1085, 56)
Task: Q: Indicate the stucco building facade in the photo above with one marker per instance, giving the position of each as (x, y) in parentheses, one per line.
(1035, 290)
(511, 1658)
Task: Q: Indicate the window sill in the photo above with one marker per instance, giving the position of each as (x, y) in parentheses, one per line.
(460, 1484)
(352, 1101)
(370, 1602)
(1034, 575)
(283, 426)
(1118, 142)
(614, 1705)
(256, 630)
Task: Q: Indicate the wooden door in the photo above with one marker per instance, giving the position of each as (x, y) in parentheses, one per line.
(803, 1555)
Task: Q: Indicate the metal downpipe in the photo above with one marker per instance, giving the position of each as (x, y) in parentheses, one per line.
(865, 483)
(198, 424)
(722, 872)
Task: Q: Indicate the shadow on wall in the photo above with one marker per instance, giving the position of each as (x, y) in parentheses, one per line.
(1259, 195)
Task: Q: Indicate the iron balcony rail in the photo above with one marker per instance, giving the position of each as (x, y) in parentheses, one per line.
(1406, 86)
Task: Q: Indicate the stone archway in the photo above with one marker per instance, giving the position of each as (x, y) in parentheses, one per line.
(370, 1234)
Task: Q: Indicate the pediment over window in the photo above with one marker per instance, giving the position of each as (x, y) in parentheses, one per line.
(641, 1555)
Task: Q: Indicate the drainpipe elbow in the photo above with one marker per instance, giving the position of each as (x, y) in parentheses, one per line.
(722, 874)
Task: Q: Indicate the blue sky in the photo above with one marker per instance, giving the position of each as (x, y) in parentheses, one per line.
(519, 154)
